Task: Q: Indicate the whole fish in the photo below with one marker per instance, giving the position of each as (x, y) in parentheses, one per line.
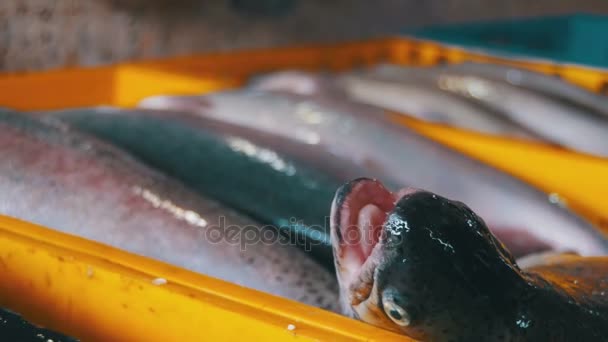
(538, 82)
(527, 220)
(554, 121)
(257, 174)
(429, 102)
(14, 328)
(64, 180)
(422, 100)
(426, 266)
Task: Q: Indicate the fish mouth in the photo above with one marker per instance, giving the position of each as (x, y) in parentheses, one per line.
(359, 211)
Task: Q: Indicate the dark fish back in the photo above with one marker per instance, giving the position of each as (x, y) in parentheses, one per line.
(232, 165)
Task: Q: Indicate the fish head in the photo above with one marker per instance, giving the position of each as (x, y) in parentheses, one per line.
(415, 262)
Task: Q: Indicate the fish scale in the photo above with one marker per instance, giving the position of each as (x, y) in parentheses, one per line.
(73, 183)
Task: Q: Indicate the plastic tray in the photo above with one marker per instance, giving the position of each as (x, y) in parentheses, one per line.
(578, 38)
(95, 292)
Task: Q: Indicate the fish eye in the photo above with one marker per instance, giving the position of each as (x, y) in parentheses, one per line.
(395, 312)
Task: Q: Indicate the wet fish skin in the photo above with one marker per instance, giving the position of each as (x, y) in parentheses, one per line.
(59, 178)
(427, 101)
(436, 273)
(251, 172)
(14, 328)
(537, 82)
(554, 121)
(398, 156)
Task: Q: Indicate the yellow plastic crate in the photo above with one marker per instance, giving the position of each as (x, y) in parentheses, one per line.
(95, 292)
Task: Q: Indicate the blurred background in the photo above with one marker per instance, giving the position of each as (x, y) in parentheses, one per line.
(41, 34)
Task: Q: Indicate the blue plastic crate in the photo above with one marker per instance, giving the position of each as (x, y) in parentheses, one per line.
(579, 38)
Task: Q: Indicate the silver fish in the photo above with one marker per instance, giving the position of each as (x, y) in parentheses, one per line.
(292, 81)
(61, 179)
(422, 100)
(557, 122)
(537, 82)
(429, 102)
(398, 156)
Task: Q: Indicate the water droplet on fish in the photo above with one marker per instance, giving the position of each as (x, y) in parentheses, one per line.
(311, 116)
(404, 260)
(555, 198)
(523, 322)
(434, 196)
(396, 226)
(291, 327)
(477, 88)
(90, 272)
(575, 281)
(261, 154)
(156, 201)
(470, 223)
(159, 281)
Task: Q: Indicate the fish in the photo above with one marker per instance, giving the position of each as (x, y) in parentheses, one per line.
(257, 174)
(16, 328)
(422, 100)
(538, 82)
(429, 102)
(525, 218)
(292, 81)
(420, 264)
(556, 122)
(60, 178)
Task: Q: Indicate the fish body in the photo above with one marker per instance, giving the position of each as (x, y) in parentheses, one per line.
(426, 266)
(257, 174)
(537, 82)
(557, 122)
(56, 177)
(428, 101)
(367, 137)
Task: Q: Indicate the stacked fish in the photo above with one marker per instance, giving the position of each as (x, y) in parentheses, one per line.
(255, 186)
